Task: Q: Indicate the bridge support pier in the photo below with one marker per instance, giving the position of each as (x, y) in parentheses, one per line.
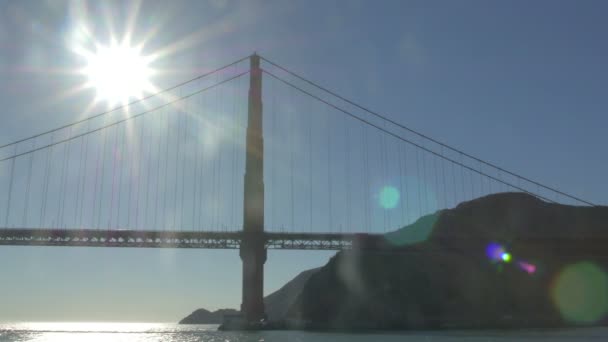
(253, 255)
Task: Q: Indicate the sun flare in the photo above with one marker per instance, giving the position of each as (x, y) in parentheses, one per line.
(118, 73)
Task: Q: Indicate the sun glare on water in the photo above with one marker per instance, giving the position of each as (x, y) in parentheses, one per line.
(118, 73)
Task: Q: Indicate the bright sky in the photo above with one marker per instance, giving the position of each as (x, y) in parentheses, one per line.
(521, 84)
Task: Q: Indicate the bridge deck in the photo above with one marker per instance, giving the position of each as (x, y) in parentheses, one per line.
(168, 239)
(565, 246)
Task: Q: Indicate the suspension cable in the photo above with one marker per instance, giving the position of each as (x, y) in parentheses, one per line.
(126, 105)
(376, 114)
(411, 142)
(125, 119)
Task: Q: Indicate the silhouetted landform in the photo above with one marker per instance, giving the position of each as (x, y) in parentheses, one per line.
(202, 316)
(504, 260)
(276, 303)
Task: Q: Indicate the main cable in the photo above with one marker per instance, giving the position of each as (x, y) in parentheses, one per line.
(411, 142)
(125, 105)
(125, 119)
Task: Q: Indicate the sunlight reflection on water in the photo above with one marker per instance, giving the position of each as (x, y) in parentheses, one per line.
(52, 332)
(104, 331)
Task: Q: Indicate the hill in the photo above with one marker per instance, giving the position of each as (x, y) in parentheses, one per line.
(504, 260)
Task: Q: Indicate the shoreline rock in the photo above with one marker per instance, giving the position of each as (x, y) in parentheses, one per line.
(276, 304)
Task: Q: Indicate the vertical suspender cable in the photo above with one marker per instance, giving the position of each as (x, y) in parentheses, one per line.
(84, 179)
(445, 190)
(146, 223)
(45, 184)
(27, 190)
(79, 176)
(481, 181)
(186, 115)
(329, 185)
(219, 185)
(123, 157)
(63, 182)
(436, 167)
(114, 155)
(464, 195)
(419, 181)
(10, 188)
(347, 175)
(406, 198)
(103, 158)
(236, 124)
(178, 142)
(426, 189)
(401, 189)
(195, 204)
(292, 153)
(215, 156)
(204, 125)
(132, 158)
(500, 183)
(140, 165)
(384, 175)
(166, 185)
(275, 151)
(157, 193)
(58, 222)
(220, 174)
(310, 121)
(366, 186)
(472, 184)
(490, 185)
(97, 161)
(213, 134)
(454, 183)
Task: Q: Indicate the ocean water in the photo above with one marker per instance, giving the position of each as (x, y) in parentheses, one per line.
(173, 332)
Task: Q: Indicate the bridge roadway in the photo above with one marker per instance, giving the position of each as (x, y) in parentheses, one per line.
(538, 246)
(169, 239)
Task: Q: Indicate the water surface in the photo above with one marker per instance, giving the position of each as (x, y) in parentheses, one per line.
(172, 332)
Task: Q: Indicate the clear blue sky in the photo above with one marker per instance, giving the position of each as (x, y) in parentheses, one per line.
(519, 83)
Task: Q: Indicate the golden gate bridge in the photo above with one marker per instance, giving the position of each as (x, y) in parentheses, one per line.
(228, 161)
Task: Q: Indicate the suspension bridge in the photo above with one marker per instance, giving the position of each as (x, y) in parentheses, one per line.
(228, 161)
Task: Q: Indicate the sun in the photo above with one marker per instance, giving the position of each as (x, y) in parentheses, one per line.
(118, 73)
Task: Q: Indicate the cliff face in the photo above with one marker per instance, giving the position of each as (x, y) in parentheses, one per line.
(493, 262)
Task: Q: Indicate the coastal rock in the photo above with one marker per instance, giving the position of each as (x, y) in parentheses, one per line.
(202, 316)
(276, 303)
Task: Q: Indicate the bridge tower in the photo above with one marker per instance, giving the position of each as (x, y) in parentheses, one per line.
(253, 250)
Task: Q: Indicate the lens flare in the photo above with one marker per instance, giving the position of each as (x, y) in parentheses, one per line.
(497, 253)
(580, 293)
(389, 197)
(494, 251)
(527, 267)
